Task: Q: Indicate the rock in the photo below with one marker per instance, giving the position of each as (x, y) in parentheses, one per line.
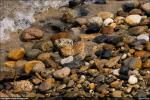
(36, 81)
(23, 86)
(62, 73)
(87, 36)
(60, 35)
(83, 11)
(136, 30)
(104, 54)
(148, 46)
(128, 6)
(100, 64)
(99, 79)
(117, 93)
(70, 83)
(67, 60)
(32, 53)
(92, 86)
(38, 67)
(132, 80)
(113, 61)
(81, 21)
(122, 13)
(20, 63)
(135, 11)
(100, 1)
(82, 79)
(124, 70)
(44, 56)
(114, 40)
(143, 36)
(133, 19)
(74, 3)
(95, 20)
(63, 42)
(16, 54)
(141, 94)
(116, 84)
(108, 21)
(146, 7)
(105, 15)
(46, 46)
(115, 72)
(119, 20)
(31, 34)
(37, 64)
(93, 29)
(60, 87)
(46, 85)
(146, 64)
(123, 77)
(10, 64)
(124, 56)
(141, 53)
(100, 39)
(107, 30)
(67, 51)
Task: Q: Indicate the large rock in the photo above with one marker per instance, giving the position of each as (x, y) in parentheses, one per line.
(146, 7)
(16, 54)
(133, 19)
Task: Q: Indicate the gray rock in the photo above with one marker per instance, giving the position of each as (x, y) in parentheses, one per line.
(62, 73)
(32, 53)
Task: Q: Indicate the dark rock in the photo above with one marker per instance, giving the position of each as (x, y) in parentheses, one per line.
(110, 79)
(74, 3)
(124, 70)
(83, 11)
(93, 29)
(32, 53)
(128, 6)
(123, 77)
(100, 1)
(99, 79)
(104, 54)
(100, 39)
(114, 39)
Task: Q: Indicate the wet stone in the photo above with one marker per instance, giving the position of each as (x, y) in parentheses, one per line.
(93, 29)
(104, 54)
(124, 70)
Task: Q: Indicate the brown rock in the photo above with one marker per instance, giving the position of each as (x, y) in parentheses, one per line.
(81, 21)
(146, 64)
(107, 30)
(113, 61)
(11, 64)
(100, 63)
(23, 86)
(105, 15)
(137, 63)
(141, 54)
(136, 11)
(60, 35)
(20, 63)
(87, 36)
(36, 81)
(117, 93)
(148, 46)
(62, 73)
(67, 51)
(116, 84)
(16, 54)
(32, 33)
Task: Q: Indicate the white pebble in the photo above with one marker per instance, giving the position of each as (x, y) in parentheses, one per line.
(108, 21)
(133, 19)
(115, 72)
(143, 36)
(96, 20)
(124, 56)
(132, 80)
(66, 60)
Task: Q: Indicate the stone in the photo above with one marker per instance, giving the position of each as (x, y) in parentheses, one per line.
(144, 37)
(100, 1)
(135, 11)
(30, 64)
(60, 87)
(67, 51)
(99, 79)
(124, 70)
(62, 73)
(117, 93)
(105, 15)
(104, 54)
(115, 72)
(66, 60)
(92, 86)
(148, 46)
(129, 6)
(100, 39)
(47, 84)
(119, 20)
(146, 64)
(60, 35)
(133, 19)
(23, 86)
(116, 84)
(122, 13)
(95, 20)
(63, 42)
(83, 11)
(114, 39)
(132, 80)
(124, 56)
(38, 67)
(107, 30)
(46, 46)
(87, 36)
(108, 21)
(73, 3)
(70, 83)
(36, 81)
(140, 53)
(146, 7)
(32, 33)
(32, 53)
(10, 64)
(137, 30)
(100, 64)
(113, 61)
(93, 29)
(16, 54)
(82, 79)
(81, 21)
(20, 63)
(44, 56)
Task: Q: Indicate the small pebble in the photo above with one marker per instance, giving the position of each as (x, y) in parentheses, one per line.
(132, 80)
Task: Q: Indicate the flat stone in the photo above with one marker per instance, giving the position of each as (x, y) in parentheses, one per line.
(117, 93)
(62, 73)
(67, 60)
(116, 84)
(113, 61)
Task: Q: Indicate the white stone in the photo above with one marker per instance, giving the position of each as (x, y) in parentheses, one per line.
(132, 79)
(143, 36)
(115, 72)
(124, 56)
(108, 21)
(95, 20)
(133, 19)
(66, 60)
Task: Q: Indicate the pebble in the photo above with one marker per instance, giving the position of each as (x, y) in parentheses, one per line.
(137, 30)
(66, 60)
(128, 6)
(93, 29)
(113, 61)
(108, 21)
(95, 20)
(16, 54)
(107, 30)
(67, 51)
(46, 46)
(117, 93)
(119, 20)
(146, 64)
(38, 67)
(100, 1)
(100, 39)
(70, 83)
(105, 15)
(44, 56)
(146, 7)
(92, 86)
(116, 84)
(32, 53)
(104, 54)
(124, 70)
(62, 73)
(143, 36)
(82, 79)
(10, 64)
(124, 56)
(115, 72)
(63, 42)
(81, 21)
(148, 46)
(32, 33)
(23, 86)
(132, 80)
(133, 19)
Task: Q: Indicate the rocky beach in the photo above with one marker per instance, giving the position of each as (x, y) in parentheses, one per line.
(75, 49)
